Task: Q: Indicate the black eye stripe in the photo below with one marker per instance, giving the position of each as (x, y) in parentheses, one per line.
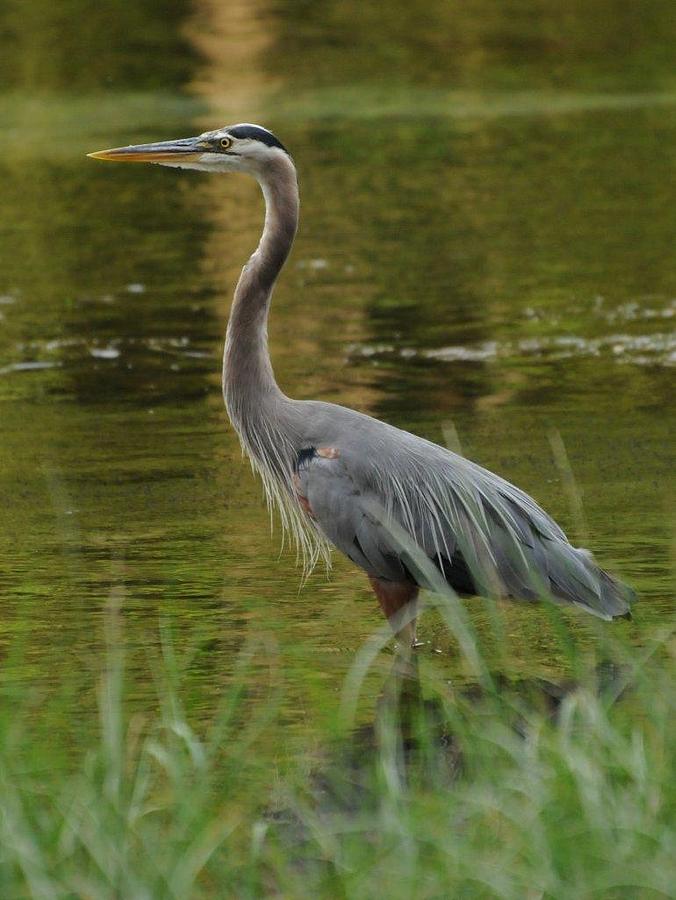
(246, 132)
(256, 133)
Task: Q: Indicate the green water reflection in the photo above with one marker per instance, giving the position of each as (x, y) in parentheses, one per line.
(486, 243)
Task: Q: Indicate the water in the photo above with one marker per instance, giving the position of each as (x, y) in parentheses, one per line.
(486, 254)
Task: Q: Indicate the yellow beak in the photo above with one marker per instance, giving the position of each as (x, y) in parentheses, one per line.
(163, 151)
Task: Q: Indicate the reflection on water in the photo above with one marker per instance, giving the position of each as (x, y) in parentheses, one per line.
(73, 48)
(487, 241)
(643, 349)
(418, 736)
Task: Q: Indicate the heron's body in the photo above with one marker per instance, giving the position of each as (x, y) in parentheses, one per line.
(399, 506)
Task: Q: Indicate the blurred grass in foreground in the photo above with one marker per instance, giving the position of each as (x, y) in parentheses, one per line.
(482, 789)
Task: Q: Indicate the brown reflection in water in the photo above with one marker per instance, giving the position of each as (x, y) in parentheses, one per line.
(231, 39)
(235, 82)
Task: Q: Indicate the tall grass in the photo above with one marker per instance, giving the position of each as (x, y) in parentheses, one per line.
(485, 789)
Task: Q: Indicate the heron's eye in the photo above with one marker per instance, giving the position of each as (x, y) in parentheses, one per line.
(225, 143)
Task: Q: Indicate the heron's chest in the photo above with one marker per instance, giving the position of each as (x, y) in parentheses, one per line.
(302, 466)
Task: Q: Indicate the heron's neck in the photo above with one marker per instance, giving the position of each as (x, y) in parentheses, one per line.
(249, 384)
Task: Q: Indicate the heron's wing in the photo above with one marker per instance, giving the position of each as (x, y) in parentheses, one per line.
(482, 534)
(381, 527)
(514, 548)
(343, 509)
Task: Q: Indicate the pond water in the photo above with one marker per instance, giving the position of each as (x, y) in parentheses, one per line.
(485, 256)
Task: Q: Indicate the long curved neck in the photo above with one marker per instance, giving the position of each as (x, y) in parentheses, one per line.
(248, 380)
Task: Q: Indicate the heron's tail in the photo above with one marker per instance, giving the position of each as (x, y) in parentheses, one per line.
(581, 582)
(616, 596)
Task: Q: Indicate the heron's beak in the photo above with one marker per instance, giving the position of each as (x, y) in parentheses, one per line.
(186, 149)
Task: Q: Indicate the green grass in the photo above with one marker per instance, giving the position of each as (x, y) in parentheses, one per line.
(488, 788)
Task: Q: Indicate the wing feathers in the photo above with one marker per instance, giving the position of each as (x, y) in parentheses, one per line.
(480, 531)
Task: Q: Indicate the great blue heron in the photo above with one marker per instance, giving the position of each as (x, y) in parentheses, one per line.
(383, 496)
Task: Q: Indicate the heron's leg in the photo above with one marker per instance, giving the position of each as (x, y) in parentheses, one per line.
(398, 601)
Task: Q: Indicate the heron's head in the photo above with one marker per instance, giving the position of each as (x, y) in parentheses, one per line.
(235, 148)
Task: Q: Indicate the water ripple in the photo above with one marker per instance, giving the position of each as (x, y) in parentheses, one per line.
(41, 354)
(650, 350)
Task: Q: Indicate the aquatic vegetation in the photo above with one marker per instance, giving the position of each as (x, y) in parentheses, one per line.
(486, 788)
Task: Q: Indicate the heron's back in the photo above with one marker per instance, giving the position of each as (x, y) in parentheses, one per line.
(386, 487)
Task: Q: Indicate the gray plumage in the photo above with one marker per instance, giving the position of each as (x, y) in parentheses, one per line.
(484, 535)
(339, 477)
